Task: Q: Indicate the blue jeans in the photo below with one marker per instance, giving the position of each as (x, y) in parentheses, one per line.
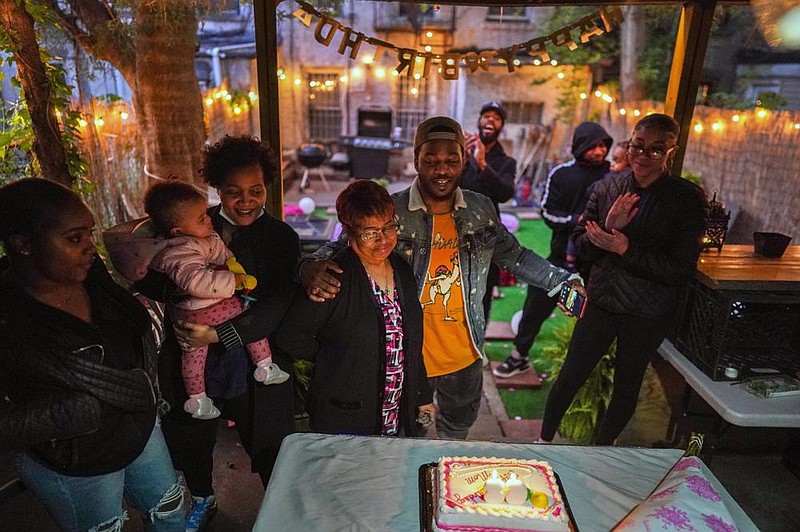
(95, 503)
(458, 396)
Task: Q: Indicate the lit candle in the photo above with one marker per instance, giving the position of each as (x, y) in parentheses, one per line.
(493, 489)
(516, 492)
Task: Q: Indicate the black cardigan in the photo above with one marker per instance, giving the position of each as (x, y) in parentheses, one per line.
(346, 338)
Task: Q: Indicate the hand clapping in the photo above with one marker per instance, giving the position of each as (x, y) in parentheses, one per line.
(622, 211)
(615, 241)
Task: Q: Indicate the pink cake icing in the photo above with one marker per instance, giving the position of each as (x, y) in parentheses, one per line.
(461, 488)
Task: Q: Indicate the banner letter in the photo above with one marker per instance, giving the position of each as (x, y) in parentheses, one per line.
(509, 55)
(563, 37)
(611, 15)
(318, 32)
(589, 28)
(406, 56)
(537, 48)
(303, 16)
(450, 65)
(349, 42)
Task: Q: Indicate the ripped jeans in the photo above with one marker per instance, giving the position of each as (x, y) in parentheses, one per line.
(95, 503)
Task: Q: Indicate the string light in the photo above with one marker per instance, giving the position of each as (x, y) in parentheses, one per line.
(429, 34)
(428, 48)
(343, 79)
(553, 62)
(99, 122)
(252, 95)
(698, 127)
(517, 62)
(298, 81)
(583, 96)
(735, 118)
(123, 115)
(623, 112)
(761, 113)
(209, 101)
(560, 75)
(716, 126)
(82, 122)
(380, 73)
(537, 62)
(237, 110)
(597, 94)
(636, 112)
(797, 126)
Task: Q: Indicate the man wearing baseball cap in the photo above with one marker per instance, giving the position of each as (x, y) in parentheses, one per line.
(449, 236)
(489, 171)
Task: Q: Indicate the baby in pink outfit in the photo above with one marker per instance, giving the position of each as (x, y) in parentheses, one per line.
(193, 257)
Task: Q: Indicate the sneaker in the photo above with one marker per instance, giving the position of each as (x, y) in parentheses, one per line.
(512, 366)
(201, 408)
(203, 509)
(270, 374)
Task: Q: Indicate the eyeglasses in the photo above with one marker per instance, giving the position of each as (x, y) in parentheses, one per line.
(651, 153)
(371, 235)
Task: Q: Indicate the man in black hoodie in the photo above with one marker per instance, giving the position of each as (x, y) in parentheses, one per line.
(562, 204)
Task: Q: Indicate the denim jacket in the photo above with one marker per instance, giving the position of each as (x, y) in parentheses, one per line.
(481, 240)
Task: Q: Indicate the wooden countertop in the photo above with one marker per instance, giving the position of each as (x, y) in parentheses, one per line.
(737, 268)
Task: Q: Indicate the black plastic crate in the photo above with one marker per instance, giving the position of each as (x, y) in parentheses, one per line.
(741, 329)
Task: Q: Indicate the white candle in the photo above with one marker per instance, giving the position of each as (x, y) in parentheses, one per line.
(516, 492)
(493, 489)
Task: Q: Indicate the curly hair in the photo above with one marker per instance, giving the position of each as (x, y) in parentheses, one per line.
(235, 152)
(163, 200)
(361, 199)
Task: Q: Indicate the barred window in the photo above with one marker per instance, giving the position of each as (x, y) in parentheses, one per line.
(523, 112)
(324, 106)
(411, 102)
(515, 14)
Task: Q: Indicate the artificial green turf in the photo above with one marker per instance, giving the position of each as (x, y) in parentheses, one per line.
(525, 403)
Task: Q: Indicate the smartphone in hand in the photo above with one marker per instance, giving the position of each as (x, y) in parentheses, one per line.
(573, 301)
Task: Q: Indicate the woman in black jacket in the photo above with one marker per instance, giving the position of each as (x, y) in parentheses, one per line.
(369, 377)
(240, 168)
(77, 366)
(641, 234)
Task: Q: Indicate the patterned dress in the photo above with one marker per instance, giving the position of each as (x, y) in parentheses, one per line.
(393, 320)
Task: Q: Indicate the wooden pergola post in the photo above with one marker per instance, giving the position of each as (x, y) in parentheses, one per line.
(691, 44)
(687, 66)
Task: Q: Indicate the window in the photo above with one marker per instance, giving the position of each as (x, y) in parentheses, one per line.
(511, 14)
(411, 102)
(324, 107)
(523, 112)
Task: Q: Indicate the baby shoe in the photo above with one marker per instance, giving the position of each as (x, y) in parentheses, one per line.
(270, 374)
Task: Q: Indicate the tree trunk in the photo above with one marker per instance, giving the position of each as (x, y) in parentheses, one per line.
(166, 92)
(47, 146)
(632, 42)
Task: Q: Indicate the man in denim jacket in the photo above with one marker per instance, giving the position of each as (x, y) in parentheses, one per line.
(450, 237)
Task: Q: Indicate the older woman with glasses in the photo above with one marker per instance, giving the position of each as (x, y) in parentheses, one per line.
(369, 377)
(641, 232)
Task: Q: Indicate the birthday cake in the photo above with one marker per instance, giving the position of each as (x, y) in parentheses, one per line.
(496, 495)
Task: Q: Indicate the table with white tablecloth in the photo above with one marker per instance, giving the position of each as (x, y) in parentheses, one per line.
(326, 483)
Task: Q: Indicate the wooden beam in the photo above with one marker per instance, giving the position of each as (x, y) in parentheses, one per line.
(266, 26)
(687, 68)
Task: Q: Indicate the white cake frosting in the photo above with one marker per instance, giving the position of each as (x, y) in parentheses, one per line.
(461, 507)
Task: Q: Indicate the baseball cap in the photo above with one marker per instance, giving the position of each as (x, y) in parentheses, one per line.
(438, 127)
(494, 106)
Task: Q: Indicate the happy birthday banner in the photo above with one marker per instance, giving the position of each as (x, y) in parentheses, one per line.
(602, 21)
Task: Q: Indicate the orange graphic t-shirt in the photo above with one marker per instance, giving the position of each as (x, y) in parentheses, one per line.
(447, 346)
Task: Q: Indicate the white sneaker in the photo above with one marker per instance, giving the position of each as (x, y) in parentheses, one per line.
(201, 408)
(270, 374)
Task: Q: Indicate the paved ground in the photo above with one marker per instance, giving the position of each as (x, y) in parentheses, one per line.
(753, 473)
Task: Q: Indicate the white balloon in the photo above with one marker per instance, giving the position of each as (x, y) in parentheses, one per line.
(306, 205)
(515, 319)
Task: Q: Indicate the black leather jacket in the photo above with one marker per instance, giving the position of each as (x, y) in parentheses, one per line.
(664, 243)
(79, 396)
